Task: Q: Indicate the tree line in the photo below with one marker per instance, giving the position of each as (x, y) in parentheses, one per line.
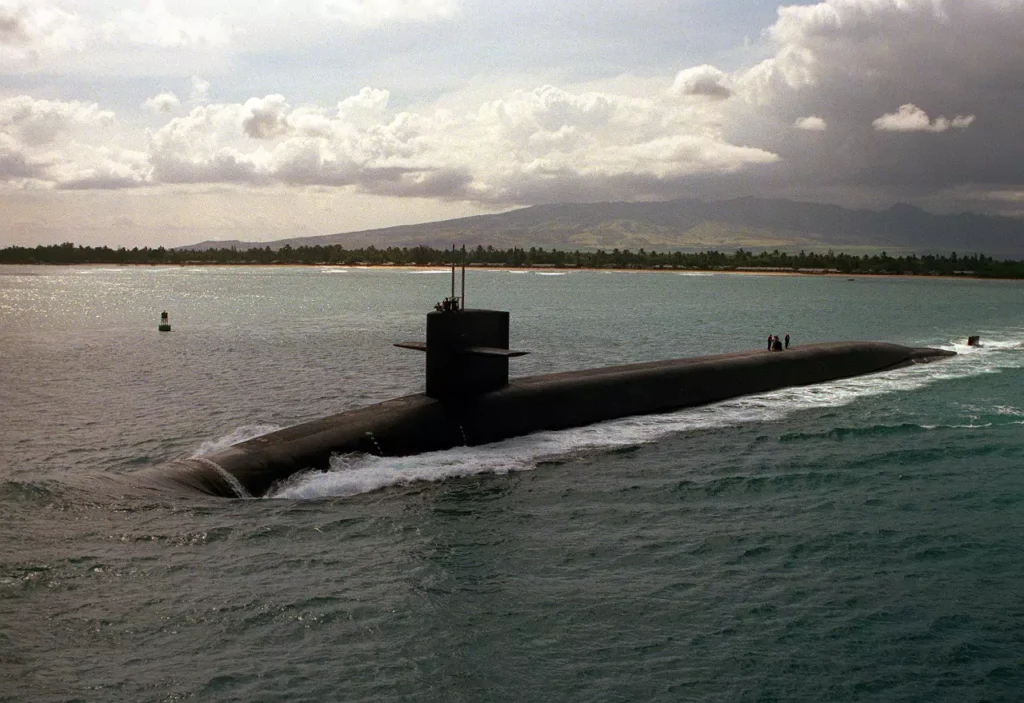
(975, 265)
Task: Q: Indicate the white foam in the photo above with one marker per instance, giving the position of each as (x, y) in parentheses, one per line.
(241, 434)
(355, 474)
(230, 479)
(552, 273)
(428, 272)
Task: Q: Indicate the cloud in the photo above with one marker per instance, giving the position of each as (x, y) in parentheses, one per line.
(200, 90)
(52, 143)
(266, 117)
(911, 118)
(163, 102)
(101, 168)
(29, 31)
(704, 81)
(15, 165)
(811, 124)
(156, 26)
(527, 142)
(37, 122)
(13, 29)
(850, 62)
(837, 68)
(39, 34)
(368, 13)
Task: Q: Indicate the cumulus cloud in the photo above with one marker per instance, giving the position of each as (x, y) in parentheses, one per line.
(851, 62)
(811, 124)
(837, 68)
(704, 81)
(162, 102)
(37, 122)
(15, 164)
(31, 30)
(266, 117)
(52, 143)
(13, 29)
(101, 168)
(911, 118)
(39, 34)
(508, 150)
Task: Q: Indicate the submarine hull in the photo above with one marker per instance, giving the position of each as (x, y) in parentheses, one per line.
(417, 423)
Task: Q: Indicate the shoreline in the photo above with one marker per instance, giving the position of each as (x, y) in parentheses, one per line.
(544, 270)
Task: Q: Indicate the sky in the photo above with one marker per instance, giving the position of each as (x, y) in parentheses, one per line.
(170, 122)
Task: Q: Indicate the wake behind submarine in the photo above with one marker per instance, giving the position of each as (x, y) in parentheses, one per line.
(469, 399)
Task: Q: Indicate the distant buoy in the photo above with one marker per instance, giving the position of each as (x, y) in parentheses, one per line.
(165, 323)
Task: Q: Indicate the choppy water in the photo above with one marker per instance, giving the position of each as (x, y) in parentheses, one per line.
(860, 540)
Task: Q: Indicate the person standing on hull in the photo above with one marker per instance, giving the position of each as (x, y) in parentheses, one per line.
(787, 340)
(771, 341)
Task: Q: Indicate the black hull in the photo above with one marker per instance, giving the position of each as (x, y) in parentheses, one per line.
(418, 423)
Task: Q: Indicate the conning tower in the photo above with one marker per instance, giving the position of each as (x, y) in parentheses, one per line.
(467, 350)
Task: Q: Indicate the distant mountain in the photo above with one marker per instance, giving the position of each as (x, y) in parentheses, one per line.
(695, 225)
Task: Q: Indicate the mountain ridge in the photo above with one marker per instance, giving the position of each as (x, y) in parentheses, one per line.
(691, 225)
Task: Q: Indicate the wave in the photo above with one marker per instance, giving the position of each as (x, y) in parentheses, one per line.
(35, 491)
(841, 433)
(241, 434)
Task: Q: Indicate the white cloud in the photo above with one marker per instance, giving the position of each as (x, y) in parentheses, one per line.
(545, 141)
(38, 122)
(961, 122)
(811, 124)
(156, 26)
(374, 12)
(519, 132)
(100, 168)
(266, 117)
(51, 143)
(911, 118)
(365, 108)
(705, 81)
(163, 102)
(200, 90)
(30, 30)
(15, 164)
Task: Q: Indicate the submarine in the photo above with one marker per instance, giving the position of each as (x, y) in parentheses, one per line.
(470, 400)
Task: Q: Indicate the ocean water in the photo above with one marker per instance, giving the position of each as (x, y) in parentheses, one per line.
(858, 540)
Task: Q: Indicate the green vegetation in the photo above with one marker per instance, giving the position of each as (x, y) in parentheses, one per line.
(976, 265)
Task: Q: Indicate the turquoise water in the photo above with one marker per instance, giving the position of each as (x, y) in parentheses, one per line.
(859, 540)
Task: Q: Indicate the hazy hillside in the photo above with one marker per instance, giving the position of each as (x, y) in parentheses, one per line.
(694, 225)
